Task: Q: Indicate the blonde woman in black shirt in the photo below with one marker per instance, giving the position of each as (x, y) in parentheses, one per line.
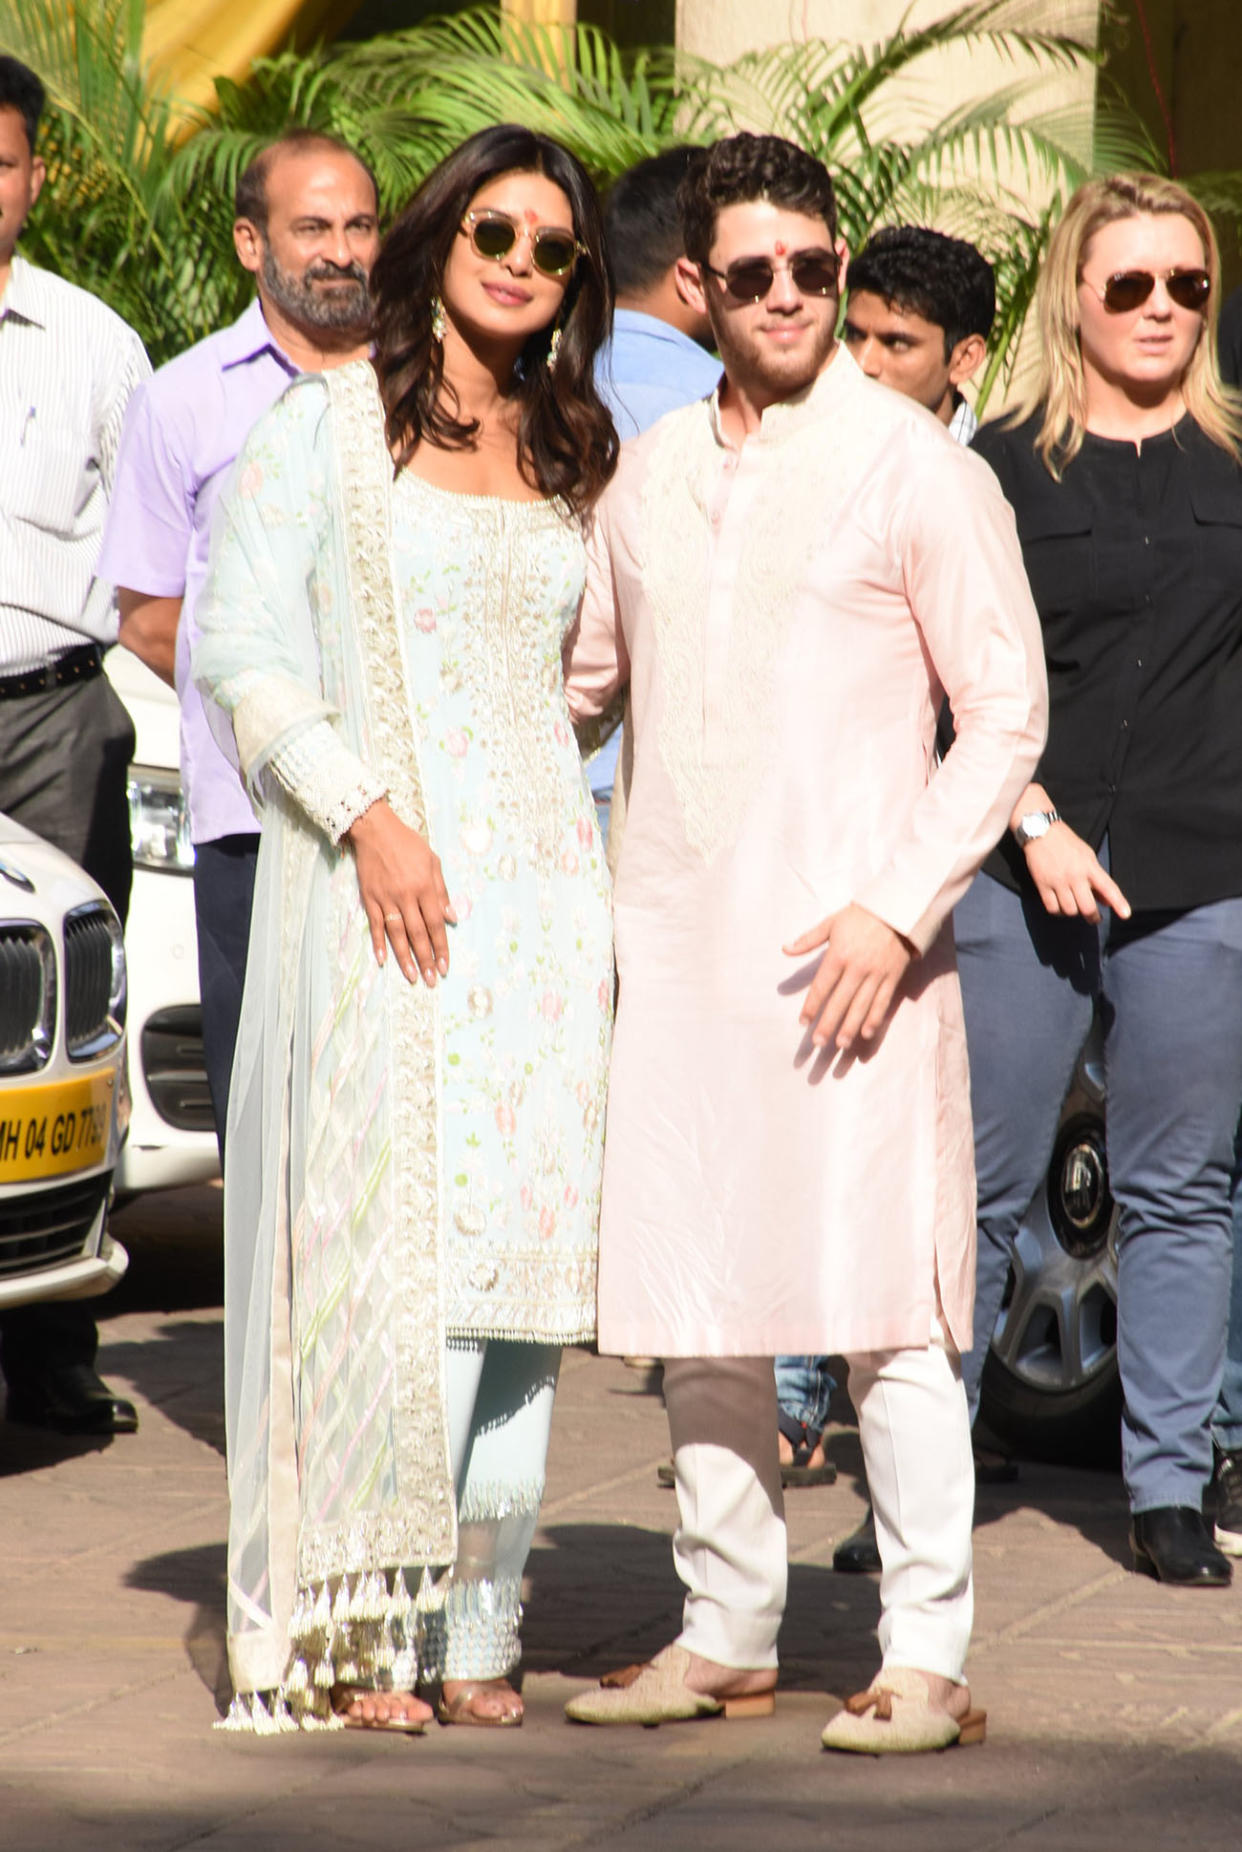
(1121, 878)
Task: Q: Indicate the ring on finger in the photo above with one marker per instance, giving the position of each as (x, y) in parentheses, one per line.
(389, 917)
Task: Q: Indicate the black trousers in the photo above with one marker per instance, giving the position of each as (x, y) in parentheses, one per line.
(223, 898)
(64, 759)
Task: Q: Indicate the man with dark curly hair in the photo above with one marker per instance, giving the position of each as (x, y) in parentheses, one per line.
(920, 310)
(792, 575)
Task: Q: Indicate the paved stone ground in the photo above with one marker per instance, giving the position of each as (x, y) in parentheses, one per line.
(1115, 1706)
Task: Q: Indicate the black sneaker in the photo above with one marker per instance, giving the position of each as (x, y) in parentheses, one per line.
(1227, 1480)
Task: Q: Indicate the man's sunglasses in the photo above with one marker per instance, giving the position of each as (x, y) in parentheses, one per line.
(494, 234)
(1129, 289)
(749, 279)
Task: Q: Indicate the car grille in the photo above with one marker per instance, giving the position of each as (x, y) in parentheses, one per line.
(175, 1070)
(41, 1227)
(25, 1017)
(89, 1028)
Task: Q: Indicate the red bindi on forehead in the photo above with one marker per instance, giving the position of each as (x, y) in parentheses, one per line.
(780, 248)
(531, 218)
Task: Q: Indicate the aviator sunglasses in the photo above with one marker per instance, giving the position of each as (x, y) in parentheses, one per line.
(748, 279)
(1129, 289)
(494, 234)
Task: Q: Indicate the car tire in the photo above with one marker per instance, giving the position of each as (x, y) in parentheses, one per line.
(1050, 1387)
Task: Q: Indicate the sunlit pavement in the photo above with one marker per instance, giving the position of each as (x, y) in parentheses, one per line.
(1115, 1706)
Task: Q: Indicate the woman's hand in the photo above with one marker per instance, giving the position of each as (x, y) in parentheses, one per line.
(1068, 876)
(403, 892)
(853, 989)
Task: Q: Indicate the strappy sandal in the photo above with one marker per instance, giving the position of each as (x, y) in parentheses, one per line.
(804, 1441)
(345, 1696)
(459, 1708)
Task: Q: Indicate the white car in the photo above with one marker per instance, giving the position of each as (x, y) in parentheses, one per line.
(63, 1100)
(172, 1136)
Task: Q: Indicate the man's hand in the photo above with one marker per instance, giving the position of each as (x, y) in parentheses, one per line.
(852, 992)
(149, 629)
(403, 892)
(1068, 875)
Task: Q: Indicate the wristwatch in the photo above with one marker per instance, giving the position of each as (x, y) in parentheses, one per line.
(1033, 825)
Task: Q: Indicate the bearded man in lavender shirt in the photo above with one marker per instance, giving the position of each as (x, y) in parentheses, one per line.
(307, 228)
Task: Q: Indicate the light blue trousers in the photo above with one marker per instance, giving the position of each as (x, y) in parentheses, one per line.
(499, 1399)
(1170, 986)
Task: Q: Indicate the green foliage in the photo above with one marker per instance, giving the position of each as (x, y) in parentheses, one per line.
(968, 173)
(106, 219)
(138, 205)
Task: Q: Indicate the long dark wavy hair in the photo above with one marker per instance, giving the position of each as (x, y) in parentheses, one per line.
(567, 445)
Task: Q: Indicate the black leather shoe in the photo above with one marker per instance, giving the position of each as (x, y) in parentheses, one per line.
(1174, 1544)
(73, 1399)
(859, 1553)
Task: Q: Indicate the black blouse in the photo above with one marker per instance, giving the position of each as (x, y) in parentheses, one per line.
(1135, 564)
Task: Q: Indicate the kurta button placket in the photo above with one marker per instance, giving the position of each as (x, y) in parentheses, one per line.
(731, 499)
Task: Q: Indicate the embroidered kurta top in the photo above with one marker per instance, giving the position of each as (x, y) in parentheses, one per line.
(790, 614)
(404, 1164)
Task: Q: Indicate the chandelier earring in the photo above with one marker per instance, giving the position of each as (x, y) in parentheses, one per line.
(554, 348)
(439, 320)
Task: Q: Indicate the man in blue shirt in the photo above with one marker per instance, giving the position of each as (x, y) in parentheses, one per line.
(659, 357)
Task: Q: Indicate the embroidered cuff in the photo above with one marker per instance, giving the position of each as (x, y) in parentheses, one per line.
(328, 781)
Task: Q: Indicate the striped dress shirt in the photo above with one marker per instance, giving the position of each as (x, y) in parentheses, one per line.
(67, 368)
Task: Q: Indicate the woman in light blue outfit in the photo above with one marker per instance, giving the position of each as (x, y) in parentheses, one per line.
(417, 1114)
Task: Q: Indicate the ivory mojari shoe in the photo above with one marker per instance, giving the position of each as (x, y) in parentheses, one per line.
(658, 1693)
(894, 1717)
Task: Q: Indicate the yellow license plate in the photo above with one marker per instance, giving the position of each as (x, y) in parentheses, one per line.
(59, 1127)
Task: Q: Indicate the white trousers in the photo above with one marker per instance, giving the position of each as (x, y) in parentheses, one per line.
(729, 1547)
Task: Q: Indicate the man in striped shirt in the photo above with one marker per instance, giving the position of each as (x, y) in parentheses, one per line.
(67, 368)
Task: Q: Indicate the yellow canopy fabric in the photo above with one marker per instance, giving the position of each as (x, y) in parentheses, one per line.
(191, 41)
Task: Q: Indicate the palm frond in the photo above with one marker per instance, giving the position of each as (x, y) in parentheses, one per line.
(139, 206)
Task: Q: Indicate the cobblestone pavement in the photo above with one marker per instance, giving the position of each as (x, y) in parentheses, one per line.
(1115, 1706)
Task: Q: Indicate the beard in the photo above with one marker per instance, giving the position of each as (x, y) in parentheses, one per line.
(773, 372)
(299, 299)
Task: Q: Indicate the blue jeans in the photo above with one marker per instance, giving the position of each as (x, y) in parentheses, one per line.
(804, 1389)
(1170, 988)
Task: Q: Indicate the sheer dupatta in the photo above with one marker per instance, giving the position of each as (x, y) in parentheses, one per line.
(338, 1461)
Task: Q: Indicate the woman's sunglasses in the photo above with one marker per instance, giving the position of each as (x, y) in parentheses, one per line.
(1129, 289)
(494, 234)
(749, 279)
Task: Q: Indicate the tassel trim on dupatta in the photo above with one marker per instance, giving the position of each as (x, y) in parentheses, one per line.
(350, 1630)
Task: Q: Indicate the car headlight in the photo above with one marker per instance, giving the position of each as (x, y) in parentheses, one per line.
(159, 821)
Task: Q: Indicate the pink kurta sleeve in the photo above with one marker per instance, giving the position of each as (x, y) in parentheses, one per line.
(968, 591)
(596, 661)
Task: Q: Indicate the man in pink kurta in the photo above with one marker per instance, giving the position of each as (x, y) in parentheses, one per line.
(792, 574)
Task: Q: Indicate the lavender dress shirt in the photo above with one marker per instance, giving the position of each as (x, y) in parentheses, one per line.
(183, 430)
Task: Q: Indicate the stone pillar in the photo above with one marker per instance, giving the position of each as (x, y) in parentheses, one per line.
(542, 12)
